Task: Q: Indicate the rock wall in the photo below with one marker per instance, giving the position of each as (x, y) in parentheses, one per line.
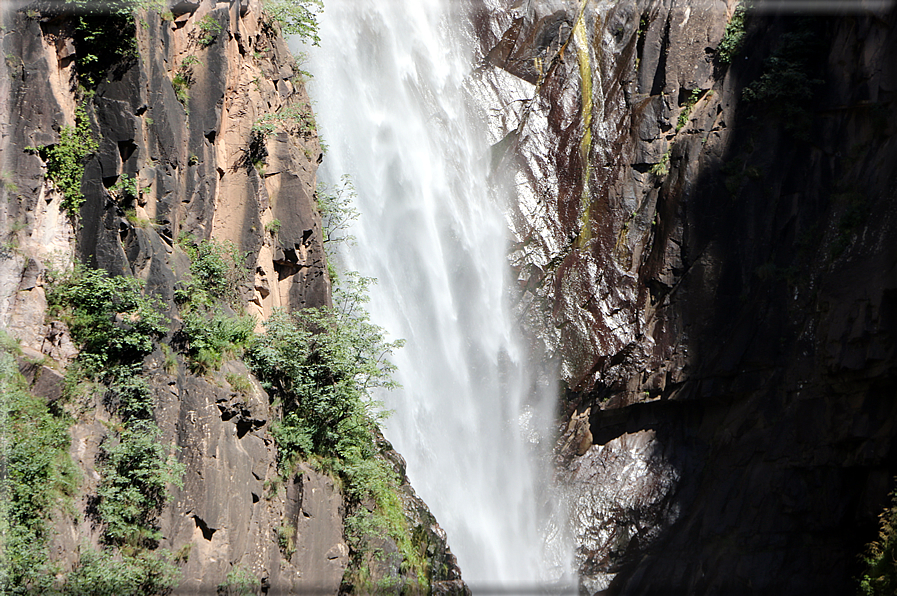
(184, 118)
(715, 269)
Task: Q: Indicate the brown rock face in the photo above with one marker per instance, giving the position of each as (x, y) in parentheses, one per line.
(218, 137)
(709, 249)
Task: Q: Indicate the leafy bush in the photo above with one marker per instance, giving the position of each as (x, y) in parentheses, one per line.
(65, 160)
(662, 168)
(38, 473)
(296, 17)
(135, 471)
(109, 317)
(216, 267)
(239, 582)
(210, 29)
(211, 335)
(880, 576)
(733, 38)
(687, 108)
(296, 119)
(106, 573)
(787, 86)
(323, 363)
(337, 213)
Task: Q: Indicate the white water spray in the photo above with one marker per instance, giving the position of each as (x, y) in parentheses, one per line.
(389, 87)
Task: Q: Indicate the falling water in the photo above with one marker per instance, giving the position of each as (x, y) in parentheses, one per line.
(390, 98)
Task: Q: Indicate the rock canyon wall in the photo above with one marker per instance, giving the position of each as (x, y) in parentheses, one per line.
(705, 237)
(204, 132)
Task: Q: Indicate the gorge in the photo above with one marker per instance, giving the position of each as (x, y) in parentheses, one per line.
(642, 254)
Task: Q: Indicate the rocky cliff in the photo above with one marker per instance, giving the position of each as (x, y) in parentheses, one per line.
(705, 237)
(190, 135)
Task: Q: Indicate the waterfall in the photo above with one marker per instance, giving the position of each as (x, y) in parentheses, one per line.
(473, 414)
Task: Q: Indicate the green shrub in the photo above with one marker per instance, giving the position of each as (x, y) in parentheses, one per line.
(880, 559)
(687, 108)
(239, 582)
(65, 160)
(337, 210)
(273, 227)
(135, 471)
(180, 82)
(212, 334)
(296, 17)
(111, 573)
(297, 119)
(209, 29)
(662, 168)
(108, 317)
(733, 38)
(238, 383)
(38, 475)
(216, 267)
(323, 363)
(787, 86)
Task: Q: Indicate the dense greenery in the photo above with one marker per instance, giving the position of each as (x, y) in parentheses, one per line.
(37, 476)
(105, 34)
(211, 329)
(323, 363)
(135, 472)
(65, 160)
(109, 317)
(880, 576)
(296, 17)
(733, 38)
(787, 85)
(115, 326)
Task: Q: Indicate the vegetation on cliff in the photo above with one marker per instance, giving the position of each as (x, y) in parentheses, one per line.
(880, 559)
(38, 478)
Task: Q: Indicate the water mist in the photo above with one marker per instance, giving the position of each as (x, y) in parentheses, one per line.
(472, 418)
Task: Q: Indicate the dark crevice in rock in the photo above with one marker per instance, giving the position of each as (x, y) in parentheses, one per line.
(207, 532)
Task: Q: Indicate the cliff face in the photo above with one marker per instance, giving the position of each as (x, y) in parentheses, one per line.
(707, 241)
(204, 131)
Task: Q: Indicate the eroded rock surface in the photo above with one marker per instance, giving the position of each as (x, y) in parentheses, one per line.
(216, 133)
(714, 268)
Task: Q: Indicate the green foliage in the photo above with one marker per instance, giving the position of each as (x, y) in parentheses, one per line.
(239, 582)
(65, 160)
(135, 471)
(292, 119)
(209, 30)
(880, 576)
(273, 227)
(216, 272)
(662, 168)
(125, 188)
(109, 317)
(337, 213)
(105, 35)
(684, 115)
(238, 383)
(216, 267)
(323, 363)
(212, 334)
(733, 38)
(180, 82)
(786, 86)
(296, 17)
(110, 573)
(37, 475)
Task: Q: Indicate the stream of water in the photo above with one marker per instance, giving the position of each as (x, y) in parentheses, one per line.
(471, 419)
